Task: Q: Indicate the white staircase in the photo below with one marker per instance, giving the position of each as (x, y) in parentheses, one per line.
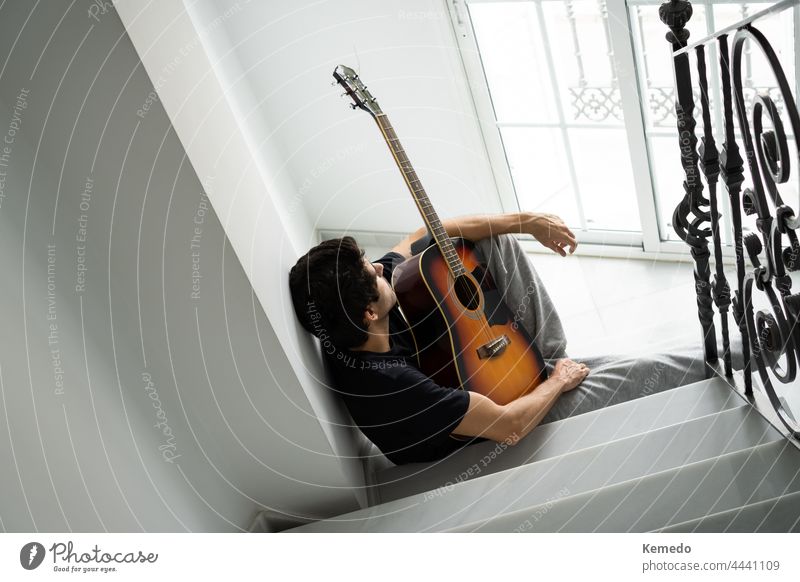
(694, 458)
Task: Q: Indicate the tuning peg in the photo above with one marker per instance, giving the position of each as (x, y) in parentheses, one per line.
(353, 106)
(334, 83)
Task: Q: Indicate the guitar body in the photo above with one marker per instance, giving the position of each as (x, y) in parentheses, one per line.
(453, 322)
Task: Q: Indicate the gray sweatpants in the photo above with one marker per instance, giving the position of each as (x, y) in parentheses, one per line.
(612, 378)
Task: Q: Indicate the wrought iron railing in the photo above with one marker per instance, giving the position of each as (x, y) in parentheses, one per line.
(770, 336)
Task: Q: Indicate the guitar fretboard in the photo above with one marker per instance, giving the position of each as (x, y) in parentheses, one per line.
(424, 205)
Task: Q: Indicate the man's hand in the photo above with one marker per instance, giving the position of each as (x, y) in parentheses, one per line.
(548, 229)
(510, 422)
(551, 231)
(570, 373)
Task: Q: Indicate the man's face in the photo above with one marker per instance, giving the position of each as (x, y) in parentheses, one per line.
(387, 298)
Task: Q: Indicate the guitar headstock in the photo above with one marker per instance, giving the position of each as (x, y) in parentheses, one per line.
(357, 90)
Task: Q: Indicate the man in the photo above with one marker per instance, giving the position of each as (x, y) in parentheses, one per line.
(349, 304)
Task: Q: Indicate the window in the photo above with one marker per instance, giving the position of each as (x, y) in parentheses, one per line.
(576, 100)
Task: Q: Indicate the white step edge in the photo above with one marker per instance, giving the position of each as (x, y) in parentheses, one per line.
(775, 448)
(792, 498)
(546, 441)
(487, 487)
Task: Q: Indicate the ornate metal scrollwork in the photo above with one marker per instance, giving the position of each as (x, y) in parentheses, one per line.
(774, 333)
(691, 221)
(770, 335)
(661, 101)
(596, 103)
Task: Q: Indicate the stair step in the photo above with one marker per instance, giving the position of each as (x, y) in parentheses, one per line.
(778, 515)
(558, 438)
(564, 476)
(670, 497)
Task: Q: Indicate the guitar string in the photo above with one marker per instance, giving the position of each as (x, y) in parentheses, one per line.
(382, 119)
(487, 333)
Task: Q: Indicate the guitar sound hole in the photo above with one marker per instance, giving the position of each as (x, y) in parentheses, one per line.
(467, 292)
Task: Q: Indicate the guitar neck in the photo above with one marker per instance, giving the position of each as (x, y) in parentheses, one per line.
(432, 221)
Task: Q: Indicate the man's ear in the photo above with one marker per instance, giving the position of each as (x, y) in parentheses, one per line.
(369, 316)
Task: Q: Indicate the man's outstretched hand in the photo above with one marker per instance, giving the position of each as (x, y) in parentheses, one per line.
(551, 231)
(570, 373)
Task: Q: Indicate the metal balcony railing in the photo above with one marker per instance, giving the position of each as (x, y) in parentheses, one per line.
(764, 259)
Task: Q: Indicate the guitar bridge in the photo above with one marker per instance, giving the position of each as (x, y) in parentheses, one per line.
(494, 347)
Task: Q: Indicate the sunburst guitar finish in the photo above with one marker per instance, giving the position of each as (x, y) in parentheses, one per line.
(449, 335)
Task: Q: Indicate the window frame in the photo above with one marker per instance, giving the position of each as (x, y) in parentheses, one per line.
(621, 31)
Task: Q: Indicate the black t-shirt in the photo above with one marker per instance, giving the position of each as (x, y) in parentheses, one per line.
(400, 409)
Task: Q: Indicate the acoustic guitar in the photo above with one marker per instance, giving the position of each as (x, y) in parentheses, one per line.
(464, 332)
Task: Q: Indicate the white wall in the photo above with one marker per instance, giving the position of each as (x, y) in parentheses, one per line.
(407, 54)
(251, 205)
(78, 443)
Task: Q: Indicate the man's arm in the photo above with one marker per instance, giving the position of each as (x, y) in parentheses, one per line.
(509, 423)
(548, 229)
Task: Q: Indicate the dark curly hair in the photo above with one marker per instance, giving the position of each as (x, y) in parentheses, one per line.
(331, 289)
